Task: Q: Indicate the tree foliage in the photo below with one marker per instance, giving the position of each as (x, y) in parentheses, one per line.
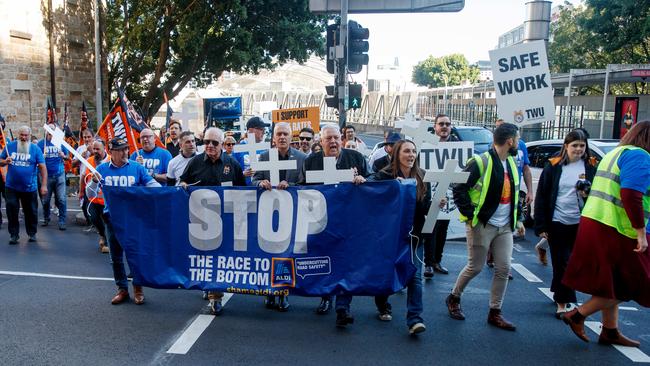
(433, 71)
(156, 46)
(599, 33)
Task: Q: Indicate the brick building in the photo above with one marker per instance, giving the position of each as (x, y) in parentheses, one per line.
(47, 53)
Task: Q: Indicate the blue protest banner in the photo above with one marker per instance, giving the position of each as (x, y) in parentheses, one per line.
(312, 241)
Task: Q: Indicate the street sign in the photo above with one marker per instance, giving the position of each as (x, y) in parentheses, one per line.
(298, 118)
(641, 73)
(387, 6)
(522, 83)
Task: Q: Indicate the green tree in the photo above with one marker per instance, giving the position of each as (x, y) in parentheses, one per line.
(156, 46)
(433, 71)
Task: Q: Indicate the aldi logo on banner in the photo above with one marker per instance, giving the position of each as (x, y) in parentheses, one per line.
(522, 83)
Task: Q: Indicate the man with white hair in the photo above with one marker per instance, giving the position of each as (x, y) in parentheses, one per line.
(213, 168)
(25, 161)
(345, 159)
(54, 158)
(155, 159)
(281, 139)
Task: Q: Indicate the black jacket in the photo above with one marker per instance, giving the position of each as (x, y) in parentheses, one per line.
(547, 188)
(421, 207)
(347, 159)
(493, 196)
(381, 163)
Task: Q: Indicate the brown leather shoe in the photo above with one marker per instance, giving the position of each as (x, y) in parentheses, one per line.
(121, 296)
(138, 295)
(453, 305)
(495, 318)
(541, 255)
(577, 328)
(619, 339)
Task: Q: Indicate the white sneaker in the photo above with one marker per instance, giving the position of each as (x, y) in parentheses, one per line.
(417, 328)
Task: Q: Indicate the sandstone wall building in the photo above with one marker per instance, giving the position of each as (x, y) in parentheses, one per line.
(47, 49)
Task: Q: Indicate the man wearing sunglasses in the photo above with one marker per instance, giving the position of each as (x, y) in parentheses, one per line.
(306, 137)
(155, 159)
(213, 168)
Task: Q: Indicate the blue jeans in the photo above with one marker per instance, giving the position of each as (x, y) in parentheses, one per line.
(343, 302)
(117, 256)
(56, 185)
(413, 292)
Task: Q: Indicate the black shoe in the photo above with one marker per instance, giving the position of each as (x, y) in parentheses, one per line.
(510, 276)
(428, 272)
(13, 240)
(216, 308)
(343, 318)
(32, 238)
(283, 303)
(62, 227)
(440, 269)
(324, 307)
(269, 302)
(45, 222)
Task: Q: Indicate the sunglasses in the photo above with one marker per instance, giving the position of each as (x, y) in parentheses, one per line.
(229, 144)
(305, 138)
(211, 142)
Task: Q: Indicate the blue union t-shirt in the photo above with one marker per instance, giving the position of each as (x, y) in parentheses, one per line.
(155, 161)
(53, 161)
(22, 172)
(128, 175)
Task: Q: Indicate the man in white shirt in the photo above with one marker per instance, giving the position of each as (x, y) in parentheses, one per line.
(177, 165)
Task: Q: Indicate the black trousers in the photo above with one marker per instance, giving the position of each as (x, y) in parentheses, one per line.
(29, 201)
(434, 244)
(560, 240)
(96, 213)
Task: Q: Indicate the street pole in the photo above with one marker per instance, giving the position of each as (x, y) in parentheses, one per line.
(602, 115)
(446, 102)
(342, 69)
(484, 96)
(568, 99)
(98, 70)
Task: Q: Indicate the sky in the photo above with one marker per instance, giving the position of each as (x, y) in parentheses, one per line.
(473, 32)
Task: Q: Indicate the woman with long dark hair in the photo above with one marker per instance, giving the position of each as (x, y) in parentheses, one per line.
(561, 192)
(404, 165)
(610, 260)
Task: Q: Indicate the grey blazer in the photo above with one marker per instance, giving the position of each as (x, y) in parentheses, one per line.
(292, 175)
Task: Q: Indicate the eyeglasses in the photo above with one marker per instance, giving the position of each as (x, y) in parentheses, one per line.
(229, 144)
(305, 138)
(444, 124)
(211, 142)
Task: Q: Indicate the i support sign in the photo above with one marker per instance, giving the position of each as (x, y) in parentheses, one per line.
(523, 83)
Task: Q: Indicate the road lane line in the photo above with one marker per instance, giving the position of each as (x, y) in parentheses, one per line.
(525, 273)
(633, 353)
(192, 333)
(547, 291)
(50, 275)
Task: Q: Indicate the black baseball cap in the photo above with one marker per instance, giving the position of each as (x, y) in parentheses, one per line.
(118, 143)
(255, 122)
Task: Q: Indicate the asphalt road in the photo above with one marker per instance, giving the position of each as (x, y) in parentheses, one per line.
(47, 318)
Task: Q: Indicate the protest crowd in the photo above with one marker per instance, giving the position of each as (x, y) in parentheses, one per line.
(592, 217)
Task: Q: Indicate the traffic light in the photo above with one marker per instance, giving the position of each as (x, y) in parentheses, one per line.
(357, 47)
(354, 96)
(331, 42)
(333, 101)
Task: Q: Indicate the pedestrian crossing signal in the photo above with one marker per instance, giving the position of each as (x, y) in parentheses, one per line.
(354, 96)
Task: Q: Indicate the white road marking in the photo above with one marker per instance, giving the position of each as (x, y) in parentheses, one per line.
(192, 333)
(50, 275)
(633, 353)
(519, 248)
(547, 291)
(525, 273)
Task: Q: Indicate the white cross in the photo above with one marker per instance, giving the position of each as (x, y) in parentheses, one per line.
(251, 147)
(58, 140)
(444, 178)
(274, 165)
(184, 118)
(419, 132)
(241, 125)
(329, 174)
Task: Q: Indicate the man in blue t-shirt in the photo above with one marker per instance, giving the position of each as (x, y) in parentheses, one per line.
(122, 172)
(155, 159)
(54, 157)
(25, 160)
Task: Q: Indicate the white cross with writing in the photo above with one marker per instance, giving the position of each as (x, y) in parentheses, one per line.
(184, 118)
(274, 165)
(419, 132)
(251, 147)
(444, 178)
(58, 140)
(329, 174)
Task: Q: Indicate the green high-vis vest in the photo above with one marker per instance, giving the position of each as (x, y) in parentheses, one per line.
(478, 193)
(604, 203)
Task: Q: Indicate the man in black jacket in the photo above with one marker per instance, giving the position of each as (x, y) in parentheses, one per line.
(488, 203)
(345, 159)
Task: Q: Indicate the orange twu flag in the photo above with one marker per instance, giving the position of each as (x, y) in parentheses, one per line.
(116, 125)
